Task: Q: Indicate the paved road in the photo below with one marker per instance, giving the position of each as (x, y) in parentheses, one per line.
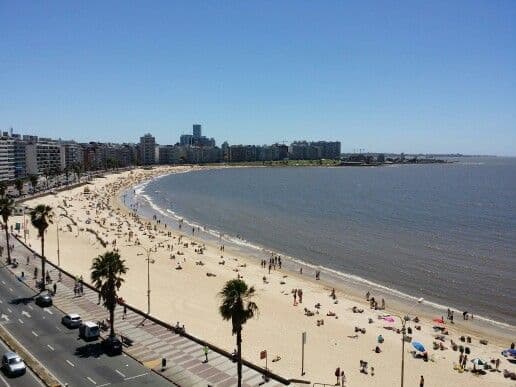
(26, 380)
(70, 359)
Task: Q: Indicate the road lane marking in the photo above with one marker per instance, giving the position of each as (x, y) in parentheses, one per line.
(119, 373)
(69, 362)
(134, 377)
(3, 282)
(25, 313)
(20, 320)
(91, 380)
(5, 381)
(59, 329)
(9, 310)
(50, 347)
(48, 311)
(11, 289)
(30, 307)
(35, 334)
(104, 385)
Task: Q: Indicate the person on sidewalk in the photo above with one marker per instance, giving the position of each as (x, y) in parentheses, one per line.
(55, 288)
(205, 353)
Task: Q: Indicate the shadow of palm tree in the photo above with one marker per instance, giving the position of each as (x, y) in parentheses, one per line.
(21, 300)
(89, 350)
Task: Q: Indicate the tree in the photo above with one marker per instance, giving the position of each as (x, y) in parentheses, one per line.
(237, 306)
(46, 173)
(6, 210)
(18, 183)
(77, 168)
(41, 218)
(67, 173)
(33, 181)
(3, 188)
(106, 273)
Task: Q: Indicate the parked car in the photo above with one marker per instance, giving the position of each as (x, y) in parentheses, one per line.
(89, 331)
(112, 346)
(12, 364)
(72, 320)
(44, 300)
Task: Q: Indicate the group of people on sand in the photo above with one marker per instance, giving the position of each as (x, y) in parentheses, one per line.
(373, 303)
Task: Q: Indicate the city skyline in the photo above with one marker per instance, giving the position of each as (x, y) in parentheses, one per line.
(432, 78)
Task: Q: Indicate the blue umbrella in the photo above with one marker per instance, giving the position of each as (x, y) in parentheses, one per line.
(509, 352)
(418, 346)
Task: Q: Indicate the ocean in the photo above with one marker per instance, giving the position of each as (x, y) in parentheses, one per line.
(445, 232)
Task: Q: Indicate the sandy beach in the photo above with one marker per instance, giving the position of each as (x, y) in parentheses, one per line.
(190, 295)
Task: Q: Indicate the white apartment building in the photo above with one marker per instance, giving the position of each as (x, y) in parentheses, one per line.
(7, 165)
(42, 156)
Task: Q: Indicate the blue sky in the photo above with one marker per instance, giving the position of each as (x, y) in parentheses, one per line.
(384, 76)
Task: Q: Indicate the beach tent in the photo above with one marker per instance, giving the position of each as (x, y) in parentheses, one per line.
(438, 320)
(418, 346)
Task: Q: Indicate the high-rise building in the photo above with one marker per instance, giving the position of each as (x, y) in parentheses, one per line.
(148, 149)
(197, 131)
(43, 156)
(7, 168)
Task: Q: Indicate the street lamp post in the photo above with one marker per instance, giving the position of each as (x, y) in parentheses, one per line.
(58, 253)
(403, 330)
(148, 251)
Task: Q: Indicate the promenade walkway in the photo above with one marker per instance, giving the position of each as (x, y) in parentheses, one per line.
(151, 342)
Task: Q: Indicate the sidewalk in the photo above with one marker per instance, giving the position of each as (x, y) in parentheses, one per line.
(151, 342)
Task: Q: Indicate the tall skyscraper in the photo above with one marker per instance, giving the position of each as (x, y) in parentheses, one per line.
(197, 131)
(147, 149)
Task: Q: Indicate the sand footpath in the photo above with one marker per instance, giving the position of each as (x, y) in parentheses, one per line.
(187, 273)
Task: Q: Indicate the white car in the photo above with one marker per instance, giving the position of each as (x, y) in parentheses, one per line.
(13, 364)
(72, 320)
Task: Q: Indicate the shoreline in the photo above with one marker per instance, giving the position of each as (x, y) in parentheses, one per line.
(351, 284)
(190, 295)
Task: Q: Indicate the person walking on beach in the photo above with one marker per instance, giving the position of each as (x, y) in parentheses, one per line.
(295, 297)
(337, 374)
(421, 381)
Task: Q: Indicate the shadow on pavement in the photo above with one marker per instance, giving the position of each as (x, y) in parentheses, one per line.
(89, 350)
(21, 300)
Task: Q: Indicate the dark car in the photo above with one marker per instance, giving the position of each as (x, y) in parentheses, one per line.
(44, 300)
(112, 346)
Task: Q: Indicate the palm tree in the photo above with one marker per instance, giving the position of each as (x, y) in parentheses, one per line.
(237, 306)
(6, 210)
(77, 168)
(33, 181)
(18, 183)
(41, 218)
(3, 188)
(106, 273)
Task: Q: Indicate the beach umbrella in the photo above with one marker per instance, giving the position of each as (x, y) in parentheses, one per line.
(509, 352)
(478, 362)
(389, 319)
(418, 346)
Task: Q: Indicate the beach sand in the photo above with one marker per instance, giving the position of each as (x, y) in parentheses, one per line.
(191, 297)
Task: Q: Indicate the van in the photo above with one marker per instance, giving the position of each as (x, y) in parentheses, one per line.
(89, 331)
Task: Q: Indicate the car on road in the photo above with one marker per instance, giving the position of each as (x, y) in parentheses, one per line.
(89, 331)
(71, 320)
(12, 364)
(112, 346)
(44, 300)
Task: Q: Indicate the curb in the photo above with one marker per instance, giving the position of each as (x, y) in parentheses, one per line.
(34, 364)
